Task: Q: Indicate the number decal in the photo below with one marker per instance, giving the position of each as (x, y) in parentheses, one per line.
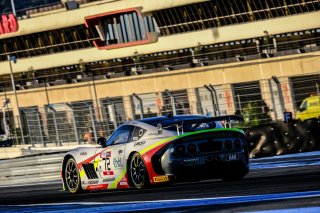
(107, 165)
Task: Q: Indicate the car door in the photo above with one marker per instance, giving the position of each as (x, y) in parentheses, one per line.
(302, 111)
(313, 107)
(111, 160)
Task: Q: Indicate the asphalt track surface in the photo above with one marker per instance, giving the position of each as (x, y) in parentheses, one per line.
(281, 179)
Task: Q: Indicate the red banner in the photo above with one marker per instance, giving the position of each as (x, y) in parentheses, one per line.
(8, 24)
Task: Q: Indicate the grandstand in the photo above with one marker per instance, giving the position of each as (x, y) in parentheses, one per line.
(94, 64)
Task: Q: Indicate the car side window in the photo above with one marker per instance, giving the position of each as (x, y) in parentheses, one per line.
(304, 105)
(122, 135)
(138, 133)
(314, 103)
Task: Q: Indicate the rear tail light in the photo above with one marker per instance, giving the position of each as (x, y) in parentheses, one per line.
(228, 144)
(192, 148)
(237, 144)
(180, 150)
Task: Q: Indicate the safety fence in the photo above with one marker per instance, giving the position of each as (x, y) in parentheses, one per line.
(258, 102)
(32, 169)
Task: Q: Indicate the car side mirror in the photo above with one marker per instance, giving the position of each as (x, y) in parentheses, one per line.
(102, 142)
(160, 128)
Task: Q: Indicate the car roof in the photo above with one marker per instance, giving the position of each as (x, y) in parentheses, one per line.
(167, 120)
(312, 97)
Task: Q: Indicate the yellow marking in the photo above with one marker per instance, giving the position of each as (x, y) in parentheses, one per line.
(96, 163)
(82, 173)
(114, 184)
(166, 140)
(157, 144)
(160, 179)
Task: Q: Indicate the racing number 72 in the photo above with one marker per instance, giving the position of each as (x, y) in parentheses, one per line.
(107, 165)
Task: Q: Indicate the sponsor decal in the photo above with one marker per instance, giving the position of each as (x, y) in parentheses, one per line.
(153, 134)
(135, 138)
(138, 135)
(123, 183)
(105, 154)
(97, 187)
(117, 163)
(190, 162)
(231, 157)
(108, 173)
(108, 180)
(83, 153)
(140, 143)
(141, 132)
(215, 158)
(160, 179)
(93, 181)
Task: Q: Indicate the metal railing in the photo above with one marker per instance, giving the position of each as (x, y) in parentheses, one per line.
(30, 170)
(173, 61)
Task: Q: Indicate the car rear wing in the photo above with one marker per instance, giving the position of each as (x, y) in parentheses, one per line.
(226, 122)
(226, 118)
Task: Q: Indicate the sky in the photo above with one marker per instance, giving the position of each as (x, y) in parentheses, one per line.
(5, 5)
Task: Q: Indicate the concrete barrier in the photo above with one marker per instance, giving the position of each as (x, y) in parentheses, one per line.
(27, 150)
(10, 152)
(27, 165)
(31, 169)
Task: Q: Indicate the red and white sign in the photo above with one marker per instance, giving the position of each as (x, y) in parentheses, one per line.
(108, 173)
(8, 24)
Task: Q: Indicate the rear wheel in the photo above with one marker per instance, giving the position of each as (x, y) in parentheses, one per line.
(72, 176)
(138, 172)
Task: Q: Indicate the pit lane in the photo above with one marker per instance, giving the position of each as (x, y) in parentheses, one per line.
(294, 174)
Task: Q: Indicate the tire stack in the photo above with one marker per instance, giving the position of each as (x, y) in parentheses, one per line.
(280, 138)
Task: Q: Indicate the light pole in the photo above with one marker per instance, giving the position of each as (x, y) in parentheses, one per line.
(13, 8)
(13, 58)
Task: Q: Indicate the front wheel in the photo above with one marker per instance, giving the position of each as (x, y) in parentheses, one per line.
(138, 172)
(72, 176)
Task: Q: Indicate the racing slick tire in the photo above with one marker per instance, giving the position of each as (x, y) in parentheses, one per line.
(138, 174)
(72, 176)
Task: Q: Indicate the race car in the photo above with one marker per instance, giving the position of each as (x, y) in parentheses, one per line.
(159, 150)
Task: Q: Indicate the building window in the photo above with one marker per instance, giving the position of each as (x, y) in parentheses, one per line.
(122, 28)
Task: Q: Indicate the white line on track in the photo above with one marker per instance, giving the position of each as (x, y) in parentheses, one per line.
(291, 210)
(163, 204)
(31, 184)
